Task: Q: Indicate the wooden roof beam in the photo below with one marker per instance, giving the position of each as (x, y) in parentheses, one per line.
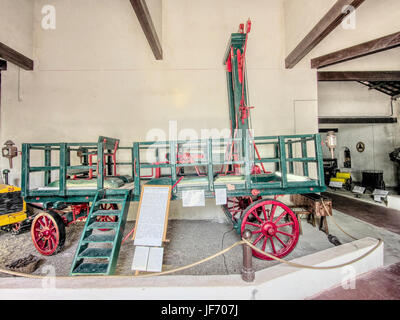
(325, 26)
(144, 17)
(359, 76)
(15, 57)
(3, 65)
(361, 50)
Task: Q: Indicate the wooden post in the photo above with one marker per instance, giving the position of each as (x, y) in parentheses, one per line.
(248, 273)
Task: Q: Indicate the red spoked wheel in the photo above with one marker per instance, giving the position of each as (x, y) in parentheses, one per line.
(275, 231)
(16, 228)
(48, 233)
(107, 206)
(237, 205)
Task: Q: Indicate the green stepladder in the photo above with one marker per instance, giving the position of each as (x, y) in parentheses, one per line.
(100, 242)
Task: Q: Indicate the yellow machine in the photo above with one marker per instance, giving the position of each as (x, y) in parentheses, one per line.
(343, 177)
(12, 206)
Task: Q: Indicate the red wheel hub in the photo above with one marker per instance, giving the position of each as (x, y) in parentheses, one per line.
(274, 227)
(268, 229)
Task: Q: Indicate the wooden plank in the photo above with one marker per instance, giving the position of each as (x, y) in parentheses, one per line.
(361, 50)
(149, 30)
(359, 76)
(15, 57)
(325, 26)
(3, 65)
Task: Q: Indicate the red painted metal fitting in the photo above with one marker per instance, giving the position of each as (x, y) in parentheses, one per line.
(248, 29)
(256, 170)
(255, 192)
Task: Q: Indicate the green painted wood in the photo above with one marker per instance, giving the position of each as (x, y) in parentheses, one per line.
(290, 154)
(98, 238)
(25, 169)
(210, 165)
(173, 155)
(136, 167)
(99, 253)
(283, 166)
(63, 170)
(85, 253)
(320, 164)
(100, 163)
(47, 163)
(304, 155)
(91, 268)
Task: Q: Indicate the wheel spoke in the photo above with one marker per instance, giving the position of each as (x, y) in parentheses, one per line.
(256, 216)
(47, 222)
(41, 223)
(286, 234)
(265, 243)
(41, 244)
(253, 224)
(285, 224)
(265, 213)
(258, 239)
(272, 212)
(272, 245)
(284, 244)
(280, 217)
(255, 232)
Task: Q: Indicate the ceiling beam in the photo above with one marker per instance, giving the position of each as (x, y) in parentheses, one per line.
(356, 120)
(3, 65)
(325, 26)
(361, 50)
(144, 17)
(15, 57)
(359, 76)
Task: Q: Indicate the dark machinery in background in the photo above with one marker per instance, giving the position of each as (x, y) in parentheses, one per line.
(330, 169)
(373, 179)
(395, 157)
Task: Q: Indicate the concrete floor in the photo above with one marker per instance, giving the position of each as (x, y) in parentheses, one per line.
(191, 241)
(371, 213)
(382, 284)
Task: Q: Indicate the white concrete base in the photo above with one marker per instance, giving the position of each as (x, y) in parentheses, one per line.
(393, 202)
(278, 282)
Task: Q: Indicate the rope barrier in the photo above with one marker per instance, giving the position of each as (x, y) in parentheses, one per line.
(243, 241)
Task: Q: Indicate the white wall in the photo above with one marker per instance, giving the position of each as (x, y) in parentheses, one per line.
(96, 75)
(374, 19)
(16, 22)
(355, 100)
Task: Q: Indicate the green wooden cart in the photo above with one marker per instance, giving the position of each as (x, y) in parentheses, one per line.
(75, 181)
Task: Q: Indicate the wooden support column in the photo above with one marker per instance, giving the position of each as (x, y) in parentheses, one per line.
(149, 30)
(325, 26)
(15, 57)
(364, 49)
